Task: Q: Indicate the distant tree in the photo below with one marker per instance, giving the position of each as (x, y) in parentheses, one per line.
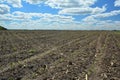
(2, 28)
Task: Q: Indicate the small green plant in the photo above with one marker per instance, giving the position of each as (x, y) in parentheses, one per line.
(11, 78)
(15, 49)
(31, 51)
(61, 60)
(12, 64)
(34, 75)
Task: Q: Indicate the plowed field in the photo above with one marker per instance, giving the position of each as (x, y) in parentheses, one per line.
(59, 55)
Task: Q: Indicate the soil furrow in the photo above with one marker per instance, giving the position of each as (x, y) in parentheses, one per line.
(14, 58)
(95, 68)
(59, 55)
(58, 60)
(31, 59)
(35, 57)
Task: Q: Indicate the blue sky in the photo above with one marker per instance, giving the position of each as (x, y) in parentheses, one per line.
(60, 14)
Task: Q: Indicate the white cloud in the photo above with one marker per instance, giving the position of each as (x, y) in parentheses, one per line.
(19, 16)
(35, 1)
(39, 24)
(22, 20)
(97, 23)
(93, 18)
(26, 20)
(63, 3)
(85, 10)
(5, 17)
(15, 3)
(4, 9)
(69, 3)
(109, 14)
(75, 7)
(25, 16)
(117, 3)
(22, 16)
(56, 18)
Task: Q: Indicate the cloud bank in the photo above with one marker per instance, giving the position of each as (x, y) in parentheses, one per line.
(4, 9)
(117, 3)
(92, 15)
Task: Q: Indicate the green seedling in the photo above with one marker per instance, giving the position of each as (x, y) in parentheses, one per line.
(11, 78)
(31, 51)
(12, 64)
(15, 49)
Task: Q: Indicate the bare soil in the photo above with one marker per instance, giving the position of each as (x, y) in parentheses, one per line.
(59, 55)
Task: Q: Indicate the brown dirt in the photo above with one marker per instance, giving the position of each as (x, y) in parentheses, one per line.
(59, 55)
